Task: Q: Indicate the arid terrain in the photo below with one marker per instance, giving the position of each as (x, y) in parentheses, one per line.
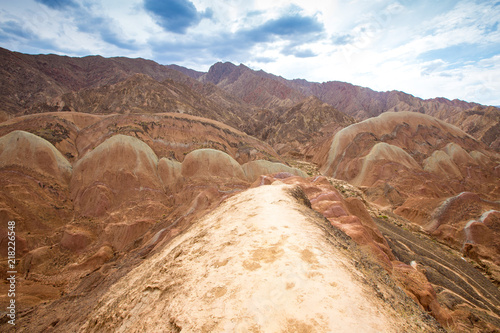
(158, 198)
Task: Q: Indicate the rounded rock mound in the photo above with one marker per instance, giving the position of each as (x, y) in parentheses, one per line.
(170, 172)
(382, 153)
(119, 170)
(211, 163)
(31, 152)
(254, 169)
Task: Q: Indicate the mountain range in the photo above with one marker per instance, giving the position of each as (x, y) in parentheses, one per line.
(230, 93)
(241, 190)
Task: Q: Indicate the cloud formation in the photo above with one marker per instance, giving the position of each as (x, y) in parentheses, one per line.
(447, 48)
(290, 25)
(175, 15)
(58, 4)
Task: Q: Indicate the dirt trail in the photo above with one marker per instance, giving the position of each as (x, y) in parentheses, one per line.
(261, 262)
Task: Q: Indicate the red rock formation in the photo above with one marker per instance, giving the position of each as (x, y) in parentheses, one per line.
(43, 83)
(256, 88)
(34, 178)
(405, 151)
(100, 190)
(211, 163)
(299, 130)
(120, 171)
(418, 165)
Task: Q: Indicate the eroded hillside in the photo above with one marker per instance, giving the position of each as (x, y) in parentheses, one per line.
(228, 93)
(242, 200)
(86, 189)
(428, 172)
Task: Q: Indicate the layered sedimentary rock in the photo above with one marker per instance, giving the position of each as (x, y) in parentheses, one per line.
(229, 93)
(297, 131)
(418, 165)
(401, 148)
(211, 163)
(27, 151)
(96, 186)
(120, 170)
(35, 177)
(95, 196)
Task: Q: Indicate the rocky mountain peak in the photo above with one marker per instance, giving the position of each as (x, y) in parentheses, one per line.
(219, 72)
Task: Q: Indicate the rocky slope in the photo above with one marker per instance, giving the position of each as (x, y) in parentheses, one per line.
(119, 199)
(229, 93)
(299, 130)
(268, 91)
(335, 257)
(43, 83)
(255, 88)
(286, 256)
(430, 172)
(103, 190)
(84, 189)
(142, 94)
(260, 235)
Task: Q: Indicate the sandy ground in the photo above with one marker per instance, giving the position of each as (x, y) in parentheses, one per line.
(258, 263)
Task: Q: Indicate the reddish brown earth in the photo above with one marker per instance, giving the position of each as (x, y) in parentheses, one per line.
(430, 173)
(352, 217)
(228, 93)
(268, 91)
(171, 135)
(108, 184)
(416, 148)
(44, 83)
(299, 130)
(255, 88)
(275, 215)
(101, 296)
(130, 166)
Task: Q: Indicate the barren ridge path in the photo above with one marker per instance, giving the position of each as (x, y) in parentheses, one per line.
(261, 262)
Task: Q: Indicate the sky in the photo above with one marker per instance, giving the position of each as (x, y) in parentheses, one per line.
(426, 48)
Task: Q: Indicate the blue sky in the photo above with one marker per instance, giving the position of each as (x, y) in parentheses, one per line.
(426, 48)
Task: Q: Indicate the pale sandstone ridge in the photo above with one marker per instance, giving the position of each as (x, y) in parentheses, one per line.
(28, 151)
(118, 196)
(74, 241)
(405, 154)
(351, 216)
(459, 155)
(254, 169)
(260, 262)
(202, 163)
(169, 134)
(442, 164)
(451, 159)
(415, 165)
